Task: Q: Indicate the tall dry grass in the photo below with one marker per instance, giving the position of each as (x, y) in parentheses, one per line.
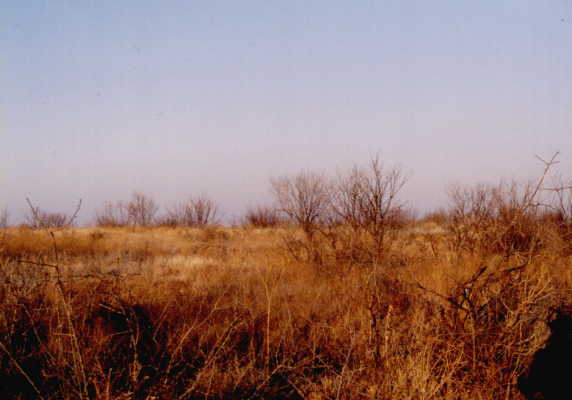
(356, 301)
(226, 313)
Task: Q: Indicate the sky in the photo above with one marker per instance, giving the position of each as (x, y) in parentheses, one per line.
(100, 99)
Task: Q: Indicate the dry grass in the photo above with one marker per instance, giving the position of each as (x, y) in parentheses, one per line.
(226, 313)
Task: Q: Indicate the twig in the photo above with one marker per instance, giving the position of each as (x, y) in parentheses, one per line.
(75, 214)
(447, 299)
(35, 212)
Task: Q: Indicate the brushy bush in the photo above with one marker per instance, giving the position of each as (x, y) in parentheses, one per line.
(262, 217)
(366, 201)
(350, 220)
(501, 219)
(111, 215)
(141, 210)
(559, 213)
(39, 218)
(197, 211)
(304, 199)
(495, 318)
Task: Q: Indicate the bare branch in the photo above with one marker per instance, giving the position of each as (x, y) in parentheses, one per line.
(75, 214)
(303, 198)
(43, 219)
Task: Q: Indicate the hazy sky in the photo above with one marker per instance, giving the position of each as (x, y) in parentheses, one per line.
(102, 98)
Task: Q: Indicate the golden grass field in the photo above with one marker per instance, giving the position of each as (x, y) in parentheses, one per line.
(238, 312)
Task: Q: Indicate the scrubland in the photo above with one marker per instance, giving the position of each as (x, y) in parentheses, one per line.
(450, 306)
(230, 313)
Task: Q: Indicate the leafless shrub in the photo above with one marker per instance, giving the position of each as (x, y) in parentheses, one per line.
(518, 226)
(39, 218)
(346, 221)
(367, 197)
(563, 205)
(197, 211)
(112, 215)
(503, 218)
(175, 216)
(366, 200)
(560, 210)
(169, 219)
(141, 210)
(304, 199)
(262, 217)
(203, 211)
(471, 213)
(493, 318)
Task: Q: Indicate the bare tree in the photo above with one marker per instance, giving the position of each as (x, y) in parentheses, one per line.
(141, 210)
(39, 218)
(197, 211)
(304, 198)
(471, 202)
(112, 215)
(201, 211)
(366, 199)
(349, 219)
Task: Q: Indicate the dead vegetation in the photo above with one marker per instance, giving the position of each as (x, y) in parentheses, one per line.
(350, 300)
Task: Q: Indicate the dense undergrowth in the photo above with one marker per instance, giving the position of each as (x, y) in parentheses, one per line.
(226, 313)
(336, 293)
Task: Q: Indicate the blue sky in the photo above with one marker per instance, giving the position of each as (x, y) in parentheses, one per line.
(175, 98)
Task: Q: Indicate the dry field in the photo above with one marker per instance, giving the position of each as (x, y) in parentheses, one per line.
(335, 292)
(244, 312)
